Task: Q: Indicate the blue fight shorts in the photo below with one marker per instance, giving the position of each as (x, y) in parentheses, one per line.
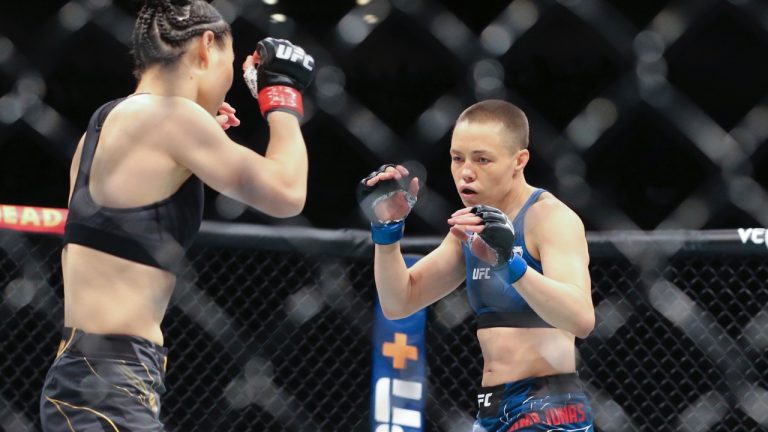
(103, 383)
(548, 403)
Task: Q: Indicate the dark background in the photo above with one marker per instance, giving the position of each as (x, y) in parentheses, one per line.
(649, 115)
(644, 114)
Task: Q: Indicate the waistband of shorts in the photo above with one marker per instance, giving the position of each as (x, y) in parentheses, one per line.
(542, 386)
(112, 346)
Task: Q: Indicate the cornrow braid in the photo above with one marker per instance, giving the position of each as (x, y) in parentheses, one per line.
(164, 26)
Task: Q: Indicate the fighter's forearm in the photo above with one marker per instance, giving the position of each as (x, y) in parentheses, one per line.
(562, 305)
(393, 281)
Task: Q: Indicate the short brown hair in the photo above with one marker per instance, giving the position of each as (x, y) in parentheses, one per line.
(511, 118)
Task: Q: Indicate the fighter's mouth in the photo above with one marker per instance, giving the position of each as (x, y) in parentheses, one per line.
(468, 191)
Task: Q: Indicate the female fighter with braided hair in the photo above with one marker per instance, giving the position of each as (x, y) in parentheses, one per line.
(136, 199)
(523, 254)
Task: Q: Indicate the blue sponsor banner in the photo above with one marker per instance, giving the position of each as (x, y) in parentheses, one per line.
(399, 371)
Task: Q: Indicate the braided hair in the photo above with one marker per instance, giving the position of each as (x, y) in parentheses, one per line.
(164, 26)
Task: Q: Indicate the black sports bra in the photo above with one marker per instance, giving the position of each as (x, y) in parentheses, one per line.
(156, 234)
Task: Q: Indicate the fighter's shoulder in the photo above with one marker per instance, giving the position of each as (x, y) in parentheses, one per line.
(550, 212)
(163, 124)
(160, 109)
(184, 109)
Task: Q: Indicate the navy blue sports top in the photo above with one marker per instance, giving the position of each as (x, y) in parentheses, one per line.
(156, 234)
(495, 301)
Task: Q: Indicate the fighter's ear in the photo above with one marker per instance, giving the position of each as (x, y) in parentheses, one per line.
(521, 159)
(202, 45)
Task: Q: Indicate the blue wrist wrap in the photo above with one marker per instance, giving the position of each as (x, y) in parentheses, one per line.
(517, 267)
(385, 234)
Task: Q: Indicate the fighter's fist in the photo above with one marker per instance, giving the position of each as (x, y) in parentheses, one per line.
(284, 70)
(498, 234)
(388, 194)
(490, 236)
(283, 63)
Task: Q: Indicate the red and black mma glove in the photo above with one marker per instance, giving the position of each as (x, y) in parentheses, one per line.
(499, 235)
(386, 204)
(284, 70)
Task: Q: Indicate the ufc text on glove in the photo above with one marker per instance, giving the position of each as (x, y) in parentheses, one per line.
(283, 72)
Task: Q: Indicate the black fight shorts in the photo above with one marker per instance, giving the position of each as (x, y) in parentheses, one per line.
(103, 383)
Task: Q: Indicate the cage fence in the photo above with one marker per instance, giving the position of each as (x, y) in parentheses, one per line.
(269, 329)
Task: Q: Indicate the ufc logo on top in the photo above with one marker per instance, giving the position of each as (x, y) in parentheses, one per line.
(481, 273)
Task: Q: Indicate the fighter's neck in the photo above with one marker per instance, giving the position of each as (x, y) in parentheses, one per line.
(163, 83)
(516, 199)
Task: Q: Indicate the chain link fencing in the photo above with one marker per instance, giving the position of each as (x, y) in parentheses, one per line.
(644, 114)
(269, 330)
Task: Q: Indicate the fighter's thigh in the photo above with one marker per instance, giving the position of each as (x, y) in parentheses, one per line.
(82, 394)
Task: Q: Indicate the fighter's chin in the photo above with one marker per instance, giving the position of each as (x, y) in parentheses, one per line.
(469, 199)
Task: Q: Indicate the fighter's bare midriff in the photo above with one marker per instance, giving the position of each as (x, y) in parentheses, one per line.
(105, 294)
(511, 354)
